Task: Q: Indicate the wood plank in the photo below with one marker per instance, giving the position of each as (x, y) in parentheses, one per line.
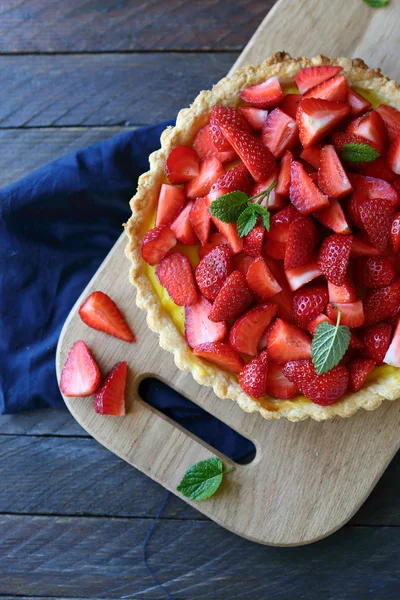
(111, 25)
(83, 557)
(41, 422)
(105, 89)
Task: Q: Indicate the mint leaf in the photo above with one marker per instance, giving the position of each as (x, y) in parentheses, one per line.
(356, 152)
(228, 208)
(202, 479)
(247, 220)
(329, 345)
(376, 3)
(264, 214)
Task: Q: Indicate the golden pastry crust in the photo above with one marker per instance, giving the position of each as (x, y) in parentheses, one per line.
(386, 386)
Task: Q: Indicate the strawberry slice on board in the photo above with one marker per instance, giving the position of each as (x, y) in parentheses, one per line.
(264, 95)
(392, 356)
(200, 220)
(110, 397)
(221, 354)
(229, 116)
(182, 165)
(334, 89)
(287, 342)
(393, 156)
(170, 203)
(316, 118)
(210, 170)
(334, 257)
(308, 303)
(216, 239)
(359, 371)
(261, 280)
(332, 178)
(255, 116)
(357, 103)
(304, 194)
(228, 230)
(212, 271)
(323, 389)
(376, 341)
(253, 376)
(175, 274)
(198, 327)
(101, 313)
(376, 215)
(182, 226)
(312, 155)
(233, 298)
(391, 118)
(370, 126)
(395, 233)
(299, 276)
(352, 313)
(279, 133)
(333, 217)
(290, 103)
(382, 303)
(253, 241)
(236, 179)
(246, 332)
(80, 376)
(302, 238)
(156, 243)
(204, 146)
(373, 271)
(278, 386)
(283, 185)
(310, 77)
(342, 293)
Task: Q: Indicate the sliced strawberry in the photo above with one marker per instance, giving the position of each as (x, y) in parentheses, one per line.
(200, 220)
(309, 77)
(395, 233)
(340, 138)
(236, 179)
(283, 185)
(392, 356)
(374, 271)
(299, 276)
(304, 194)
(182, 165)
(204, 146)
(280, 132)
(357, 199)
(221, 354)
(312, 155)
(393, 156)
(229, 116)
(362, 247)
(342, 293)
(332, 178)
(275, 201)
(261, 280)
(352, 313)
(110, 397)
(359, 370)
(228, 230)
(156, 243)
(284, 299)
(255, 116)
(308, 303)
(210, 170)
(233, 298)
(313, 324)
(334, 89)
(316, 118)
(216, 239)
(264, 95)
(358, 103)
(323, 389)
(212, 271)
(382, 303)
(375, 188)
(247, 330)
(80, 376)
(253, 377)
(280, 222)
(182, 226)
(275, 249)
(101, 313)
(377, 340)
(333, 217)
(391, 118)
(376, 215)
(241, 262)
(334, 257)
(278, 386)
(170, 203)
(198, 327)
(290, 103)
(175, 274)
(301, 241)
(287, 342)
(378, 168)
(253, 241)
(371, 127)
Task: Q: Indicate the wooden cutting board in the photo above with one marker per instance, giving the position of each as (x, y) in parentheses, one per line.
(308, 478)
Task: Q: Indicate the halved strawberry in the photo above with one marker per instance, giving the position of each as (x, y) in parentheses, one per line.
(284, 299)
(334, 89)
(241, 262)
(332, 178)
(374, 271)
(312, 155)
(342, 293)
(290, 103)
(308, 303)
(170, 203)
(261, 280)
(253, 376)
(253, 241)
(302, 238)
(334, 257)
(275, 201)
(210, 170)
(278, 386)
(101, 313)
(333, 217)
(382, 303)
(378, 168)
(371, 127)
(182, 165)
(287, 342)
(358, 197)
(391, 118)
(204, 146)
(376, 215)
(233, 298)
(279, 133)
(299, 276)
(352, 313)
(156, 243)
(216, 239)
(304, 194)
(264, 95)
(393, 156)
(182, 226)
(236, 179)
(212, 271)
(246, 332)
(255, 116)
(221, 354)
(198, 327)
(395, 233)
(80, 376)
(359, 370)
(226, 115)
(316, 118)
(375, 188)
(110, 397)
(358, 103)
(283, 185)
(200, 220)
(392, 356)
(309, 77)
(361, 246)
(377, 340)
(275, 249)
(280, 222)
(175, 274)
(323, 389)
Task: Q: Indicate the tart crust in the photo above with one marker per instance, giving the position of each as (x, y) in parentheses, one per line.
(385, 384)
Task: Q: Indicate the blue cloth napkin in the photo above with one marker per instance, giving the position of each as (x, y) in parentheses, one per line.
(56, 226)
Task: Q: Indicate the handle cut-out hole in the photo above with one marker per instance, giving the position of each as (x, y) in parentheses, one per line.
(195, 419)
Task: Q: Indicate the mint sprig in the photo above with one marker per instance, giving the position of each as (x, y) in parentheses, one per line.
(329, 345)
(203, 479)
(237, 207)
(358, 152)
(376, 3)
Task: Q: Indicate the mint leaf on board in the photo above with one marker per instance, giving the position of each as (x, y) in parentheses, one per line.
(228, 208)
(356, 152)
(376, 3)
(329, 345)
(247, 220)
(203, 479)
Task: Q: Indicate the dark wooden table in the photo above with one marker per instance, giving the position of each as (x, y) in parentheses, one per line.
(73, 517)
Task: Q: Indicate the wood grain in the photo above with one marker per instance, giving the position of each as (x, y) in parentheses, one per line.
(44, 422)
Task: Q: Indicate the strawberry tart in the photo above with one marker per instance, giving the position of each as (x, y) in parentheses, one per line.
(265, 238)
